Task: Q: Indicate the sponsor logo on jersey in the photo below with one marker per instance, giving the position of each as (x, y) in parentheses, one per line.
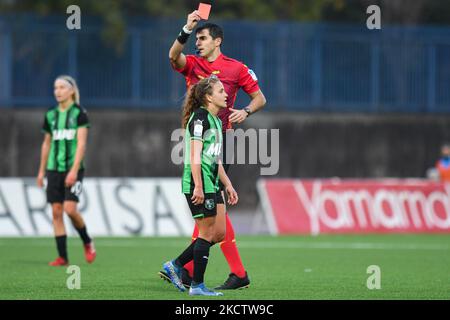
(214, 149)
(201, 77)
(64, 134)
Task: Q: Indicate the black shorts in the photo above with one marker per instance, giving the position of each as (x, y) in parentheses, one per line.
(57, 192)
(208, 208)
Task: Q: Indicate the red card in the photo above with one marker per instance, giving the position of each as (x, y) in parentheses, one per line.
(204, 10)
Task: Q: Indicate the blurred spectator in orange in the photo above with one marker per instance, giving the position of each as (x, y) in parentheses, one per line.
(443, 164)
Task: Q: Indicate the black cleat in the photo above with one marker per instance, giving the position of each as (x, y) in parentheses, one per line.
(185, 278)
(234, 282)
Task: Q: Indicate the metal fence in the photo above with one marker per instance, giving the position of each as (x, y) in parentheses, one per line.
(303, 67)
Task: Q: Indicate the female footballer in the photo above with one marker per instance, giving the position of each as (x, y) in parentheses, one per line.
(200, 184)
(62, 152)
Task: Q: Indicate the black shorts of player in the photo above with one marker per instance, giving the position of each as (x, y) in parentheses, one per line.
(57, 192)
(226, 166)
(208, 208)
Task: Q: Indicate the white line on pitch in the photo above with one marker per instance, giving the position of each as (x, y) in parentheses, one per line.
(258, 245)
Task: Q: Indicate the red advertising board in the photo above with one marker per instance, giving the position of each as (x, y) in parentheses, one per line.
(294, 206)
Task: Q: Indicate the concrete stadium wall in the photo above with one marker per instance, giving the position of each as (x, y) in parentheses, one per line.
(137, 144)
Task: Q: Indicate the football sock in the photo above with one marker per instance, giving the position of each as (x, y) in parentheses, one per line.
(186, 256)
(190, 265)
(61, 245)
(230, 250)
(201, 256)
(84, 236)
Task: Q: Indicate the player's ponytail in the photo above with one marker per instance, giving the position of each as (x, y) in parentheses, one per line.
(71, 81)
(190, 104)
(195, 97)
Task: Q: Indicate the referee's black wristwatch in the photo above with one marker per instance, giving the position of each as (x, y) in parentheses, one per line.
(249, 112)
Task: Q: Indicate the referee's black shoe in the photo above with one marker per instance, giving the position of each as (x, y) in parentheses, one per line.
(234, 282)
(185, 278)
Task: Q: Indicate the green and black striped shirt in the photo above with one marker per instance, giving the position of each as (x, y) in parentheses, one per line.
(207, 128)
(63, 126)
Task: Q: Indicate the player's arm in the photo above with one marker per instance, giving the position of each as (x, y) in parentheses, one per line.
(258, 101)
(249, 83)
(196, 160)
(232, 194)
(82, 134)
(176, 56)
(45, 150)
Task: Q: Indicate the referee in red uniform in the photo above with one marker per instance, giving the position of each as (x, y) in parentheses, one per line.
(234, 75)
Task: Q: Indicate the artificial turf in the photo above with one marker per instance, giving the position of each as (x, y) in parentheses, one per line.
(288, 267)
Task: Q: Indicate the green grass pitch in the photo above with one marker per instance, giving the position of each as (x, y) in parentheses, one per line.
(288, 267)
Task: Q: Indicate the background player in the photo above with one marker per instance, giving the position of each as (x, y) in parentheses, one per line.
(62, 152)
(234, 75)
(202, 170)
(443, 164)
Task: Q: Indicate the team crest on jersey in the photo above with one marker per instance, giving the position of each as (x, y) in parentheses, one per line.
(71, 122)
(209, 204)
(215, 72)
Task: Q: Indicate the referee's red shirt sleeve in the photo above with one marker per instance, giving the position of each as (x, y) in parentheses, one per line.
(248, 80)
(190, 59)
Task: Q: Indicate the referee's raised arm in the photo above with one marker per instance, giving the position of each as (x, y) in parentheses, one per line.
(176, 56)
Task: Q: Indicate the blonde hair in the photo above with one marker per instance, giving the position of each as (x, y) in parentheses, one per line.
(71, 81)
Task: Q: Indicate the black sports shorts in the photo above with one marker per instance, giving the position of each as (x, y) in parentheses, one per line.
(57, 192)
(208, 208)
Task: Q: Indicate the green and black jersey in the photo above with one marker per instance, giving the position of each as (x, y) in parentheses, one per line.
(62, 126)
(207, 128)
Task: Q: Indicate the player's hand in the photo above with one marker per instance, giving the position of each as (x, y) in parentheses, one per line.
(71, 178)
(232, 195)
(192, 20)
(198, 197)
(237, 116)
(40, 179)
